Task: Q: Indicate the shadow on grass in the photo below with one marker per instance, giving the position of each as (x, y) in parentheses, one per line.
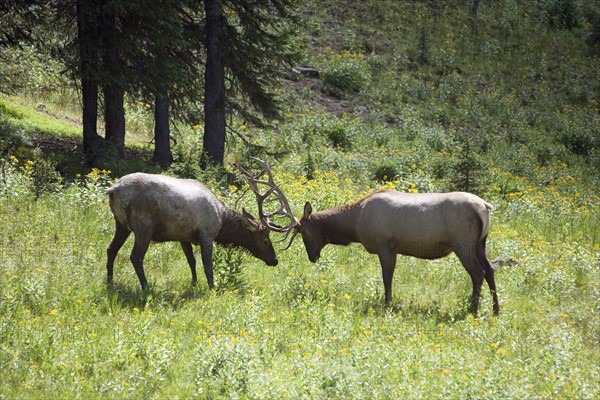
(66, 153)
(119, 296)
(432, 310)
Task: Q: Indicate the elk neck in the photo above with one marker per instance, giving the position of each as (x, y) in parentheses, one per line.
(338, 224)
(233, 230)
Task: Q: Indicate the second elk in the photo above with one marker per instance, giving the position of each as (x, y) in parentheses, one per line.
(388, 223)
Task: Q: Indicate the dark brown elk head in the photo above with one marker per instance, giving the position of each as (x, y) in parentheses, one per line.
(312, 235)
(256, 239)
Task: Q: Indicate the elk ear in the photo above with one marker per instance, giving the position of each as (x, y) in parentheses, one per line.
(249, 220)
(307, 209)
(248, 215)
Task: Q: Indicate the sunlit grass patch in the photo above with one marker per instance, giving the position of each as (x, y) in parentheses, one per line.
(35, 121)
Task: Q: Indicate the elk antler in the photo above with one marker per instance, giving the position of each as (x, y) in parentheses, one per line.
(273, 194)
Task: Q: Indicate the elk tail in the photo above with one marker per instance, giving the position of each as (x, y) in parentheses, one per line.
(117, 206)
(485, 220)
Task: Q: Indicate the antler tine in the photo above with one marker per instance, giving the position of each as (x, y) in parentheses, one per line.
(241, 197)
(284, 209)
(291, 240)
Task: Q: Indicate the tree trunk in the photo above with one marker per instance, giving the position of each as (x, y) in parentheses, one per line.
(162, 133)
(87, 38)
(89, 95)
(475, 7)
(214, 83)
(114, 117)
(114, 113)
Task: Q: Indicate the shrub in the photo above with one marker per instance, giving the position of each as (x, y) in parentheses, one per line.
(340, 132)
(338, 136)
(344, 73)
(581, 141)
(11, 136)
(386, 171)
(562, 14)
(43, 174)
(581, 137)
(186, 162)
(227, 262)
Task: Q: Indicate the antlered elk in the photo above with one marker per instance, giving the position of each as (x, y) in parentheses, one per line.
(388, 223)
(161, 208)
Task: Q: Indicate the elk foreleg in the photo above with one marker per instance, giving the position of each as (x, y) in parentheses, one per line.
(142, 241)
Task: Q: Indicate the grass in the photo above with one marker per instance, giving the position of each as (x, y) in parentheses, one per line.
(36, 122)
(304, 330)
(296, 331)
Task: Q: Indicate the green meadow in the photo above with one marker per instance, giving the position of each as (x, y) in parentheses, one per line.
(412, 96)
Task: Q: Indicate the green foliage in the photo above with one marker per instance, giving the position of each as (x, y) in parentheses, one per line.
(12, 136)
(43, 174)
(186, 162)
(29, 71)
(228, 269)
(424, 47)
(562, 14)
(309, 165)
(344, 73)
(579, 132)
(386, 171)
(139, 116)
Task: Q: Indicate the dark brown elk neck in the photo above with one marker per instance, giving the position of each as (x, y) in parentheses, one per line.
(338, 224)
(233, 230)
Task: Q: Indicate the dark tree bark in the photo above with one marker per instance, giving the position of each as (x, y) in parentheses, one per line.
(89, 94)
(87, 39)
(214, 91)
(114, 117)
(162, 132)
(475, 7)
(114, 112)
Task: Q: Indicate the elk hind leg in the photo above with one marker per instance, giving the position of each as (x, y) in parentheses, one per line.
(387, 258)
(489, 274)
(142, 241)
(189, 255)
(121, 235)
(468, 258)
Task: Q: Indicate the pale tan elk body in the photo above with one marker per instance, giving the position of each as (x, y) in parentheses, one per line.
(388, 223)
(428, 226)
(161, 208)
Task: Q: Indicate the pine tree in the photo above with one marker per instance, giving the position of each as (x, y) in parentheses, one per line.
(249, 45)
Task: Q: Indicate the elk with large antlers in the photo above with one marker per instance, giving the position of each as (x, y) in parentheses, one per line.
(161, 208)
(388, 223)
